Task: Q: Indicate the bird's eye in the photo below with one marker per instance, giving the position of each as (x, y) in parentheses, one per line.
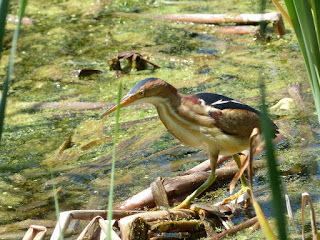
(141, 93)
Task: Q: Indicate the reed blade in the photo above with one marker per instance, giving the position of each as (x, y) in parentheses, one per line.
(305, 19)
(6, 83)
(114, 150)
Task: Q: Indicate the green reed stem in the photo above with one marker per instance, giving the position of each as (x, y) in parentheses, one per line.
(57, 208)
(23, 5)
(114, 151)
(305, 17)
(4, 6)
(274, 176)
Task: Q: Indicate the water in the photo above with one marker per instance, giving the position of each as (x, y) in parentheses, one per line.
(194, 59)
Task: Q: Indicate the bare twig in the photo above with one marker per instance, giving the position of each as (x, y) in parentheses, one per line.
(236, 228)
(306, 197)
(289, 210)
(65, 144)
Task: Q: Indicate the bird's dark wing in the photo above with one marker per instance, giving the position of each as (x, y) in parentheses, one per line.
(222, 102)
(231, 116)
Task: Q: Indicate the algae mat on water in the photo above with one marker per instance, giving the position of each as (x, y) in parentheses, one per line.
(72, 35)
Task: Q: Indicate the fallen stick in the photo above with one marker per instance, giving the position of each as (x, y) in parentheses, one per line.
(221, 18)
(244, 19)
(236, 228)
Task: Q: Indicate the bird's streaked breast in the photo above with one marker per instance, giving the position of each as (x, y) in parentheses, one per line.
(184, 130)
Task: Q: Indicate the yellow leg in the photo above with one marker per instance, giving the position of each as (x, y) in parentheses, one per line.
(243, 178)
(244, 185)
(186, 203)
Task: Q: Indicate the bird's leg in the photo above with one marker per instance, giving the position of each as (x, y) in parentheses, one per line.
(244, 185)
(243, 179)
(204, 186)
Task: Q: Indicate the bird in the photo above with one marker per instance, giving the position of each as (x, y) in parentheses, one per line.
(215, 123)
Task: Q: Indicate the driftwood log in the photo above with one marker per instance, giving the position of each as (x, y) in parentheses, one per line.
(240, 19)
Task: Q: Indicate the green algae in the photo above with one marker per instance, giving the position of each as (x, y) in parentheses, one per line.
(193, 59)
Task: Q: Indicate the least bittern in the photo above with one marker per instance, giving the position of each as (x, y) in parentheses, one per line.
(213, 122)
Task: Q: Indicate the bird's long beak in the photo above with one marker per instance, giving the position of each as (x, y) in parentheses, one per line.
(123, 102)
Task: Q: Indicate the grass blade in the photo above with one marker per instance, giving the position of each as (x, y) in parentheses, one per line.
(274, 176)
(310, 41)
(297, 29)
(267, 129)
(4, 6)
(23, 5)
(306, 25)
(265, 227)
(56, 204)
(315, 5)
(114, 150)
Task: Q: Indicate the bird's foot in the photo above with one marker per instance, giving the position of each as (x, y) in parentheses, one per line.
(244, 189)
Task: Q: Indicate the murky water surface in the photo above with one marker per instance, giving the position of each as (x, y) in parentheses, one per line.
(67, 36)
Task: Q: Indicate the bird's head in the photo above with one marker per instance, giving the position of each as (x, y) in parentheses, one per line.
(150, 90)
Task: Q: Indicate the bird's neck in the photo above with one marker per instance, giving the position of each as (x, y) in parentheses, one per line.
(176, 122)
(167, 108)
(168, 104)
